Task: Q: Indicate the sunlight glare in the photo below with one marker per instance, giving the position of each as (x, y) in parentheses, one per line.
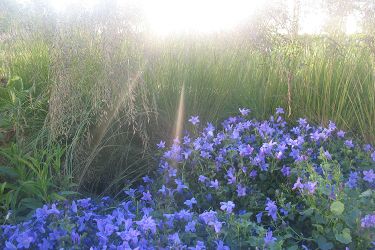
(171, 16)
(312, 23)
(352, 24)
(63, 5)
(168, 17)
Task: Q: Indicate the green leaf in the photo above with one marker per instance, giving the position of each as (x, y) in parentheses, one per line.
(319, 227)
(319, 218)
(344, 237)
(4, 97)
(30, 203)
(292, 248)
(308, 212)
(366, 193)
(337, 208)
(323, 243)
(67, 193)
(8, 172)
(15, 83)
(56, 196)
(351, 218)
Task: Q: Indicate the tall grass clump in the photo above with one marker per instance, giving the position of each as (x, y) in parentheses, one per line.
(313, 77)
(99, 103)
(78, 87)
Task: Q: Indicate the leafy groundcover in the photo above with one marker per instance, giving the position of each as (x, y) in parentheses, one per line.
(246, 185)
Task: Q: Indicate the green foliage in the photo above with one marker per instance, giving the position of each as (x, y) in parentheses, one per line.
(328, 80)
(29, 181)
(337, 208)
(107, 97)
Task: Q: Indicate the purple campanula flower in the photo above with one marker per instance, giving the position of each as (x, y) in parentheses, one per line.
(244, 111)
(146, 179)
(259, 217)
(190, 226)
(231, 176)
(352, 181)
(53, 210)
(271, 208)
(284, 211)
(161, 144)
(130, 192)
(298, 184)
(285, 171)
(349, 143)
(217, 225)
(332, 126)
(24, 240)
(341, 134)
(74, 207)
(147, 210)
(310, 187)
(373, 156)
(327, 155)
(208, 216)
(190, 202)
(279, 111)
(209, 129)
(172, 172)
(180, 185)
(302, 122)
(369, 176)
(10, 246)
(186, 140)
(253, 173)
(244, 169)
(315, 136)
(147, 223)
(175, 239)
(220, 245)
(147, 196)
(194, 120)
(268, 239)
(41, 213)
(170, 219)
(245, 150)
(184, 215)
(367, 147)
(368, 221)
(163, 190)
(199, 246)
(241, 190)
(264, 167)
(202, 178)
(75, 237)
(227, 206)
(214, 184)
(130, 235)
(208, 197)
(279, 155)
(205, 155)
(45, 245)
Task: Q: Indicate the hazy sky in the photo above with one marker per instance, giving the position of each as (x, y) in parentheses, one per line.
(174, 16)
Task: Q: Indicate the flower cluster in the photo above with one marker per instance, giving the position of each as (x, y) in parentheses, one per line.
(248, 184)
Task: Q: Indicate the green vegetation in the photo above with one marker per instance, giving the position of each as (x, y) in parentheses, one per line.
(87, 107)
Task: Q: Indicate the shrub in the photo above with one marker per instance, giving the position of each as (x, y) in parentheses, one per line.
(251, 184)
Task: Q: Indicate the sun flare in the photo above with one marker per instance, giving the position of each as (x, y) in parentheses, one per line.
(170, 16)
